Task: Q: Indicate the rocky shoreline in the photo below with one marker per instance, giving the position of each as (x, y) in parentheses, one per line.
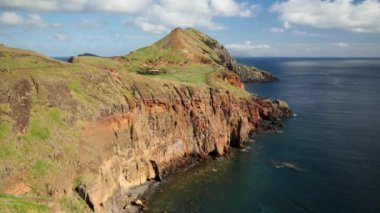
(170, 133)
(139, 196)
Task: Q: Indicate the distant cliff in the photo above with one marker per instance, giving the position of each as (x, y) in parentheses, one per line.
(78, 136)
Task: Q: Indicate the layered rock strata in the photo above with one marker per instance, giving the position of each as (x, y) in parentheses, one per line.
(141, 139)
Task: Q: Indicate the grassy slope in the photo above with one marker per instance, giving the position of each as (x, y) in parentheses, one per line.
(39, 128)
(186, 57)
(183, 54)
(11, 58)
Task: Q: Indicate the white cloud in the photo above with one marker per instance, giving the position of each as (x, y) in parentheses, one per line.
(311, 34)
(247, 49)
(119, 6)
(149, 15)
(89, 24)
(324, 49)
(232, 8)
(61, 37)
(218, 7)
(13, 19)
(342, 44)
(287, 25)
(144, 24)
(166, 14)
(361, 16)
(277, 30)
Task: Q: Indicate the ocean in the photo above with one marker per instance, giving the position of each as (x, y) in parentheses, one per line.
(326, 159)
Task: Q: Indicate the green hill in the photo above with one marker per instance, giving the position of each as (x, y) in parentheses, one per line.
(11, 58)
(190, 47)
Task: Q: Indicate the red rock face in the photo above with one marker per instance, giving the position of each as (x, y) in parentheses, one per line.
(165, 128)
(231, 78)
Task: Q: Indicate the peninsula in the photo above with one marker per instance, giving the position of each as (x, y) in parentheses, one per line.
(79, 136)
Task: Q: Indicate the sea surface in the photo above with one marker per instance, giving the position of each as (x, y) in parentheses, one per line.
(327, 159)
(62, 58)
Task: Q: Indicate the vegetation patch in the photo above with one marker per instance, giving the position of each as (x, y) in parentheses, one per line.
(54, 115)
(37, 131)
(7, 149)
(83, 180)
(195, 73)
(78, 92)
(12, 204)
(214, 80)
(12, 58)
(40, 169)
(72, 204)
(99, 62)
(4, 107)
(4, 130)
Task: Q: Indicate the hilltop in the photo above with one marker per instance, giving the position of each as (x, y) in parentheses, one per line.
(80, 136)
(187, 47)
(16, 58)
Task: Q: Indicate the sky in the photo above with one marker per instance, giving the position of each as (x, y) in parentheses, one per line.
(248, 28)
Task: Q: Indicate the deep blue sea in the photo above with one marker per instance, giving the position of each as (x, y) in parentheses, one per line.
(334, 142)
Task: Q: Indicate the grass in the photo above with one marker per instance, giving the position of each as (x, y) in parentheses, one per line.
(4, 107)
(7, 150)
(149, 55)
(195, 74)
(41, 124)
(36, 130)
(84, 180)
(99, 62)
(37, 143)
(214, 81)
(54, 115)
(152, 53)
(36, 153)
(78, 93)
(13, 59)
(198, 45)
(72, 204)
(40, 169)
(13, 204)
(237, 91)
(4, 130)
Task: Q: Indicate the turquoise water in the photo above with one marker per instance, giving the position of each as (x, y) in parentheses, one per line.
(333, 143)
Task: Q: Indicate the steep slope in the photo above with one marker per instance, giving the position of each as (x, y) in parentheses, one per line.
(77, 137)
(190, 46)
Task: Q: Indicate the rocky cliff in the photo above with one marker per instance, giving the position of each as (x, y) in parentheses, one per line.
(154, 131)
(79, 136)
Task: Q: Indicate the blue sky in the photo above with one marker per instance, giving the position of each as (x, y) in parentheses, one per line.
(290, 28)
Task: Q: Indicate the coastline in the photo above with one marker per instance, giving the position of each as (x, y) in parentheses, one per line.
(148, 189)
(144, 191)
